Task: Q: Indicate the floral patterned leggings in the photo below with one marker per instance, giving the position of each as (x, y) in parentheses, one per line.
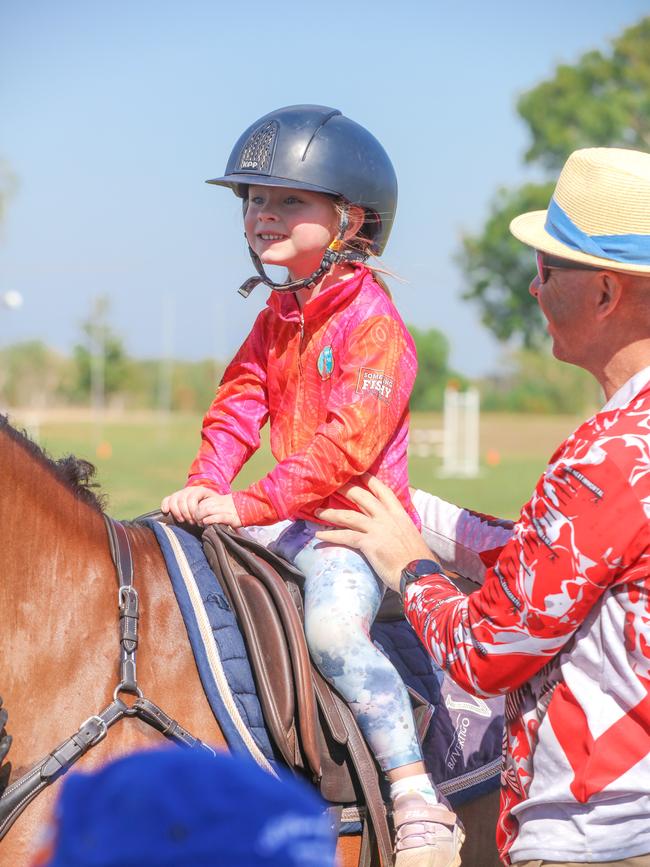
(342, 597)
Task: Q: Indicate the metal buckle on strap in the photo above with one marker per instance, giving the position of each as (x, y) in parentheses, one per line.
(89, 733)
(127, 597)
(129, 616)
(102, 729)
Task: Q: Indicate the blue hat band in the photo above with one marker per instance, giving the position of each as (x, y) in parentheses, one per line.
(628, 249)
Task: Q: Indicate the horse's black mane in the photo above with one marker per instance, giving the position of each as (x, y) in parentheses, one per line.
(75, 473)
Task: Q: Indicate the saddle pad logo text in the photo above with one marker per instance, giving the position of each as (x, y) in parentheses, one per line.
(376, 381)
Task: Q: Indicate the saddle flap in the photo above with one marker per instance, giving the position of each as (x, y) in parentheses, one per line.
(283, 567)
(335, 751)
(272, 664)
(273, 605)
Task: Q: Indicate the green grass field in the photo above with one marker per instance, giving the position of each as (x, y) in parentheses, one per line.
(141, 458)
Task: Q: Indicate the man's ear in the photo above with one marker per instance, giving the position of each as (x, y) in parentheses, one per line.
(356, 219)
(610, 292)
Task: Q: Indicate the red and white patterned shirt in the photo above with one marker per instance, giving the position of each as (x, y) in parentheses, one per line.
(561, 624)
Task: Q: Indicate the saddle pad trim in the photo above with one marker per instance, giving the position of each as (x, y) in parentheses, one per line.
(471, 779)
(214, 666)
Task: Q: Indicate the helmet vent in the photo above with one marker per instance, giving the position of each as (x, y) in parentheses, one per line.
(334, 113)
(257, 153)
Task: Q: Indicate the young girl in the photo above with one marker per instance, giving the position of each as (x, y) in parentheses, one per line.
(332, 365)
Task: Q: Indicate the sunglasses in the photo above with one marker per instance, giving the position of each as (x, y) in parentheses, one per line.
(547, 263)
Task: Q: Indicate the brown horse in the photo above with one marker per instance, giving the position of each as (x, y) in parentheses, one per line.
(58, 610)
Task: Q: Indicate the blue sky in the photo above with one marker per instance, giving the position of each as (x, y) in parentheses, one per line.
(114, 114)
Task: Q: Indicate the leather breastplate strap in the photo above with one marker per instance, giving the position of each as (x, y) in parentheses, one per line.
(20, 793)
(128, 604)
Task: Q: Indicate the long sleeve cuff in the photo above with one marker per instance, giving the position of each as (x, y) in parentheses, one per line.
(217, 487)
(254, 506)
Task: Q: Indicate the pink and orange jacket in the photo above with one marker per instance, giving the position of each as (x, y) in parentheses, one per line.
(335, 381)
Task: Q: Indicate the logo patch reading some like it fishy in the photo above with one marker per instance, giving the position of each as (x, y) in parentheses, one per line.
(325, 363)
(376, 381)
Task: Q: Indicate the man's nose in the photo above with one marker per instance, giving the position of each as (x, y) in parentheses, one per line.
(534, 286)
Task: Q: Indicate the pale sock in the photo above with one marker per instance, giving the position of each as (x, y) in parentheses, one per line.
(419, 783)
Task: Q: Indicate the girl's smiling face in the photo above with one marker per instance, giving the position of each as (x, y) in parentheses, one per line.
(290, 227)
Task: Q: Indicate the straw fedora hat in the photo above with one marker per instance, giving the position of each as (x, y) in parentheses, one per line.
(599, 213)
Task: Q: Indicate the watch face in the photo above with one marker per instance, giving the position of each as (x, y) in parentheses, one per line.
(420, 568)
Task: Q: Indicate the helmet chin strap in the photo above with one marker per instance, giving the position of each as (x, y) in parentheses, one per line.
(332, 256)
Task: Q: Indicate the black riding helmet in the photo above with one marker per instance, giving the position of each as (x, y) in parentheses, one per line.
(313, 147)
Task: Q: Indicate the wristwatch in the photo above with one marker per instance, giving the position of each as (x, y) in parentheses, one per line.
(415, 570)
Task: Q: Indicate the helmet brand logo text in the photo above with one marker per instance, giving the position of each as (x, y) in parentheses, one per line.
(257, 153)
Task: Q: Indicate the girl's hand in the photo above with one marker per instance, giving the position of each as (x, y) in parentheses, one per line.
(382, 530)
(183, 504)
(217, 509)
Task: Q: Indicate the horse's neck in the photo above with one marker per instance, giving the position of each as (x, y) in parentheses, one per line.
(53, 544)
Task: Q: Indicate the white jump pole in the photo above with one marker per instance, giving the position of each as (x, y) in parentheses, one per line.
(460, 453)
(471, 456)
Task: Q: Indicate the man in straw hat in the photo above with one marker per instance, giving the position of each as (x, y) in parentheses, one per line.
(561, 623)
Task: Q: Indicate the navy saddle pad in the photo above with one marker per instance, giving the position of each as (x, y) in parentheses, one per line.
(462, 748)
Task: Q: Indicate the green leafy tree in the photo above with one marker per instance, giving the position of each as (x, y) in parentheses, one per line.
(433, 369)
(499, 268)
(31, 374)
(100, 362)
(191, 385)
(534, 382)
(602, 100)
(194, 384)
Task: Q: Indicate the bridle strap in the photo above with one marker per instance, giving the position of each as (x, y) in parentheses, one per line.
(20, 793)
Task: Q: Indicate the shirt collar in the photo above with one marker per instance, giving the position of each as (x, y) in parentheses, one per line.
(627, 392)
(327, 302)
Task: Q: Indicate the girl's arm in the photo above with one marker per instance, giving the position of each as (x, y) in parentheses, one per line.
(231, 426)
(229, 436)
(366, 407)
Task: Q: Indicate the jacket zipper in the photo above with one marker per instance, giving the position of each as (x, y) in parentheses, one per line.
(302, 335)
(300, 374)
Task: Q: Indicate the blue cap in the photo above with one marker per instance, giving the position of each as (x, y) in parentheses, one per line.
(180, 808)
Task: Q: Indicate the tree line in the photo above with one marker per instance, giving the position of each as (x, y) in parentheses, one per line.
(100, 370)
(34, 375)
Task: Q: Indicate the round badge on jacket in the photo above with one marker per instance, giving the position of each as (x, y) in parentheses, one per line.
(325, 363)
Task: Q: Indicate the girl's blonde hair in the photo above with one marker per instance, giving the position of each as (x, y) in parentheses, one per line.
(360, 243)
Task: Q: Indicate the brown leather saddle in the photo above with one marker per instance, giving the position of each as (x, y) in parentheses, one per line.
(311, 726)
